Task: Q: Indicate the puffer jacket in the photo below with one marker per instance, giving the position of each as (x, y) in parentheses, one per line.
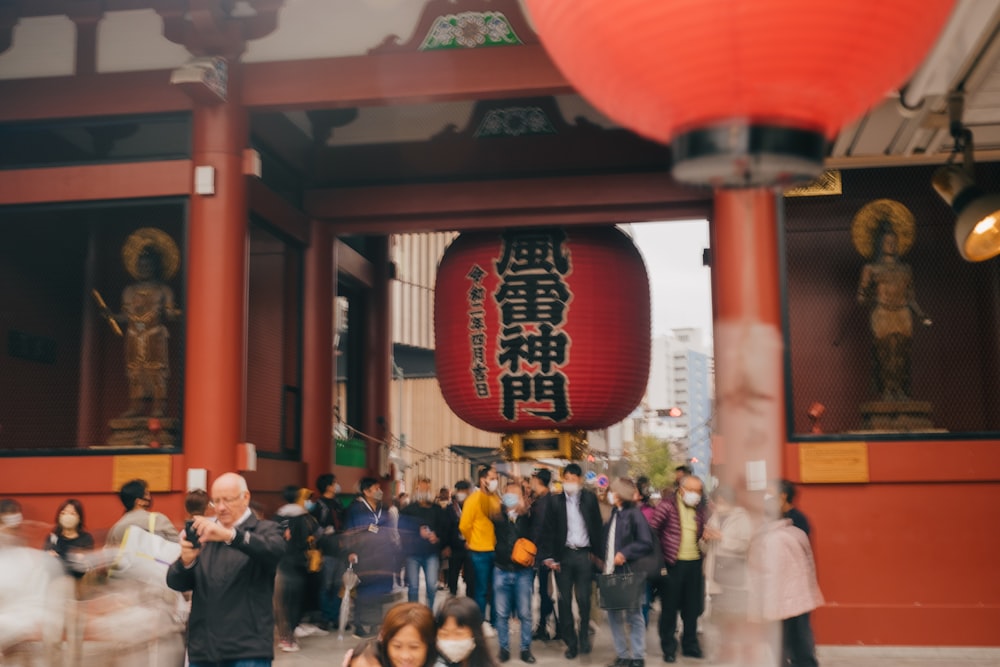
(232, 588)
(782, 573)
(666, 525)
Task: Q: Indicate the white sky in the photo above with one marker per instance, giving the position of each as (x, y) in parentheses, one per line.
(680, 285)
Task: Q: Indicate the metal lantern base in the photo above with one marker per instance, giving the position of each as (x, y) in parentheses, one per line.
(737, 155)
(544, 444)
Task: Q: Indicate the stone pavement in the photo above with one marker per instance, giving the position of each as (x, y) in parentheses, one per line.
(329, 651)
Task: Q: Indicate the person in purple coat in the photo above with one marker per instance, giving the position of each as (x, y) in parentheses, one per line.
(679, 522)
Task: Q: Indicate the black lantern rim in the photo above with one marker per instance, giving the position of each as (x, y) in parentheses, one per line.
(740, 155)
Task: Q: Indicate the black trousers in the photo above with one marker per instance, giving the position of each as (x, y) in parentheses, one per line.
(799, 647)
(546, 604)
(682, 591)
(575, 573)
(456, 565)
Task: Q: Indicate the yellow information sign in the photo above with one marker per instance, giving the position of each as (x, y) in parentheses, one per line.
(154, 468)
(833, 462)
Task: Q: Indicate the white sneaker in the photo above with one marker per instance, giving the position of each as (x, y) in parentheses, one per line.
(308, 630)
(488, 630)
(288, 647)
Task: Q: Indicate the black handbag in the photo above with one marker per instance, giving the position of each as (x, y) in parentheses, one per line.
(622, 590)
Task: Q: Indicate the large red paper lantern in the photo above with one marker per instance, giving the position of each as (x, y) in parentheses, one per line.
(746, 91)
(542, 328)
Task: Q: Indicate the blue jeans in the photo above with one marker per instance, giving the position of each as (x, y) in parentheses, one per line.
(617, 618)
(513, 587)
(430, 564)
(482, 564)
(252, 662)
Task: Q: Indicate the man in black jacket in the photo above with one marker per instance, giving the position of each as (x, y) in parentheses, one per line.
(422, 529)
(457, 559)
(571, 540)
(540, 480)
(231, 575)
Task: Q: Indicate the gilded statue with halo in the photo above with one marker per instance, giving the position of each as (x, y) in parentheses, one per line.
(883, 231)
(151, 257)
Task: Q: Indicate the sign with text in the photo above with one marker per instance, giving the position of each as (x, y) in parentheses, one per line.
(833, 462)
(155, 469)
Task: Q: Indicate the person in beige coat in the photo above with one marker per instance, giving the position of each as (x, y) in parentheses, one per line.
(783, 586)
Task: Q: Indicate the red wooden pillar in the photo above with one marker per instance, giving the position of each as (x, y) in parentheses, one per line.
(215, 364)
(317, 352)
(748, 340)
(378, 355)
(749, 378)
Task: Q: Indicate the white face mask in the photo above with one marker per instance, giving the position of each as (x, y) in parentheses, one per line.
(571, 487)
(460, 497)
(378, 496)
(611, 497)
(456, 650)
(68, 521)
(12, 520)
(492, 485)
(336, 489)
(691, 498)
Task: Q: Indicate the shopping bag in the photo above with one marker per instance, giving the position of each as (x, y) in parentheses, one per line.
(622, 590)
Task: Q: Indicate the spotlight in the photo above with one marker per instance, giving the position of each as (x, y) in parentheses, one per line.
(977, 227)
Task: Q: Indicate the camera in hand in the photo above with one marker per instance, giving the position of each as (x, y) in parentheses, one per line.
(191, 535)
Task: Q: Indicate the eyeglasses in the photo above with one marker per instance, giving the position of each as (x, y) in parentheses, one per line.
(225, 501)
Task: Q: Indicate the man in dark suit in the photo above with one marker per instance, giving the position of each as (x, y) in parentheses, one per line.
(572, 539)
(543, 499)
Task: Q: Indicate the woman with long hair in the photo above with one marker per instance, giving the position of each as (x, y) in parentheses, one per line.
(460, 639)
(407, 637)
(68, 538)
(627, 538)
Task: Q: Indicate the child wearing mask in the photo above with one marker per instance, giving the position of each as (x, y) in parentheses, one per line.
(460, 639)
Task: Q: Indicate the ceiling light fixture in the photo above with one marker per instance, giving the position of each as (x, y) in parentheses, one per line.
(977, 226)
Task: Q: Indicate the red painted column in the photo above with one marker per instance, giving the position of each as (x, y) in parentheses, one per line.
(749, 368)
(317, 352)
(378, 355)
(216, 312)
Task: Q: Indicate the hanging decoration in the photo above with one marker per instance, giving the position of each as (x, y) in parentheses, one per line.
(535, 340)
(746, 92)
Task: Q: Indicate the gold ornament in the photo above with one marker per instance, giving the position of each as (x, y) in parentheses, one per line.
(160, 241)
(866, 224)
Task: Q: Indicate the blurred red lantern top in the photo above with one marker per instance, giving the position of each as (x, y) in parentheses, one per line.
(542, 328)
(747, 91)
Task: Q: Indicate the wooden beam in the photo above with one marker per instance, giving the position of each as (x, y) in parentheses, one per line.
(403, 78)
(97, 182)
(117, 94)
(597, 199)
(381, 79)
(277, 211)
(352, 264)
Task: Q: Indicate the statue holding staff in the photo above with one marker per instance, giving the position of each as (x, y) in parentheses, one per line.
(151, 257)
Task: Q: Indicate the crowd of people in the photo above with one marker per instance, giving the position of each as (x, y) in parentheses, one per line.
(252, 578)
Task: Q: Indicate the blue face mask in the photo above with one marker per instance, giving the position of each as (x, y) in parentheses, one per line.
(310, 505)
(511, 499)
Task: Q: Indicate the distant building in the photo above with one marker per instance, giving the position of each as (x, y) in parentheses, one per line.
(680, 395)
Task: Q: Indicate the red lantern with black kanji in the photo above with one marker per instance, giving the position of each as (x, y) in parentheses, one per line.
(542, 329)
(746, 91)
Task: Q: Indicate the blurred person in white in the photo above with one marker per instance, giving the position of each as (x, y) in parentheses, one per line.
(725, 542)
